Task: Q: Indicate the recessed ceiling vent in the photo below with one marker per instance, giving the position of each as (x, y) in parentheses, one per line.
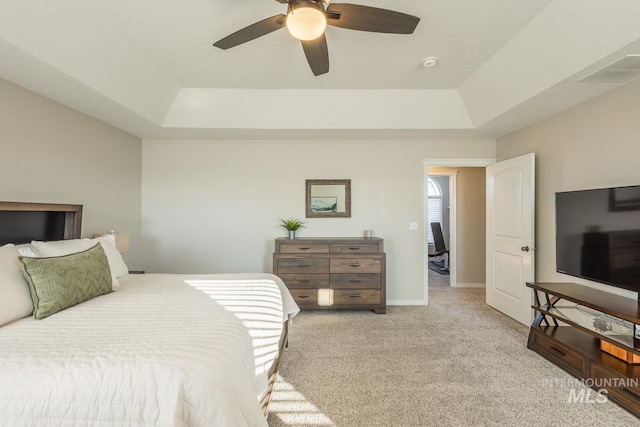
(623, 70)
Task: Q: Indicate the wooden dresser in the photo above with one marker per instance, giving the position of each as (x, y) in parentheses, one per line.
(333, 273)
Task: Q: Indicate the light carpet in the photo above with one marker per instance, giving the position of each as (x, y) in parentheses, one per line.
(455, 362)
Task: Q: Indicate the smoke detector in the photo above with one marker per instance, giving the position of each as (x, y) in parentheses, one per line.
(430, 61)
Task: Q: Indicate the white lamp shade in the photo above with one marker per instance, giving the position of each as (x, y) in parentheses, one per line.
(306, 23)
(122, 240)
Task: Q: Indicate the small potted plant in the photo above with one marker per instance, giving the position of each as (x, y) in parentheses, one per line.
(291, 225)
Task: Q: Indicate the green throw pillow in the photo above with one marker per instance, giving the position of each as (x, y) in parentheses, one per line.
(60, 282)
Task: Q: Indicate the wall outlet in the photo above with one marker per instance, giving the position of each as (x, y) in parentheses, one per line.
(413, 225)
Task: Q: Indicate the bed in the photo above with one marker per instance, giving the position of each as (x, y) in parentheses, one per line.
(166, 350)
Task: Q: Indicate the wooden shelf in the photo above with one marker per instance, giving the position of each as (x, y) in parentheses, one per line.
(615, 305)
(586, 330)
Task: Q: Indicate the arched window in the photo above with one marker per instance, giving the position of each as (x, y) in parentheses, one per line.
(434, 206)
(434, 188)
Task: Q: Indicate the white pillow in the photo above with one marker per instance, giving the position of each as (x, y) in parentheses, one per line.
(15, 298)
(27, 250)
(66, 247)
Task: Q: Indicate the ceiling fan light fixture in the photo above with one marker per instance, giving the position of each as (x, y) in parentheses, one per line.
(306, 23)
(306, 20)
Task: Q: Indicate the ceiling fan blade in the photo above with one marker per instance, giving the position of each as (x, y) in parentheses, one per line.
(317, 55)
(366, 18)
(251, 32)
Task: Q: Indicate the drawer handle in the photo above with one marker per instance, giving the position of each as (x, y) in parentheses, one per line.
(355, 264)
(304, 281)
(303, 265)
(557, 350)
(355, 296)
(304, 249)
(355, 281)
(630, 392)
(303, 296)
(355, 248)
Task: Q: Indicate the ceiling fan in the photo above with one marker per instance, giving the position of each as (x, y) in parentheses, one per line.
(306, 20)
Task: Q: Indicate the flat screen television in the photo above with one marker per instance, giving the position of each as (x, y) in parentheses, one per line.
(598, 235)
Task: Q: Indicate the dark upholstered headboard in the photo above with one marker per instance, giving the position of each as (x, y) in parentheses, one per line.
(24, 222)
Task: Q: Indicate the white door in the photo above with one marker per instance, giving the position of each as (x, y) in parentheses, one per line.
(510, 236)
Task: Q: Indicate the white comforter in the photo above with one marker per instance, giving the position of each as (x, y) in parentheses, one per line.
(162, 350)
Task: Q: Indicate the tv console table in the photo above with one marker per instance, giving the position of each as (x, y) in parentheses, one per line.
(576, 346)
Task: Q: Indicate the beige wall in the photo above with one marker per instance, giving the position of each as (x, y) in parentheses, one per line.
(593, 145)
(213, 206)
(470, 223)
(51, 153)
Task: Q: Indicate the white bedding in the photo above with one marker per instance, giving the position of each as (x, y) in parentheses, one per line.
(162, 350)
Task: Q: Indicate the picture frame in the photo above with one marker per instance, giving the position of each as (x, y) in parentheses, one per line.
(328, 198)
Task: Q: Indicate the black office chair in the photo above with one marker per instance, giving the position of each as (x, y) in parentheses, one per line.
(441, 248)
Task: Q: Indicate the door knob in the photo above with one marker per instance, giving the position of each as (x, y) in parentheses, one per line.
(525, 249)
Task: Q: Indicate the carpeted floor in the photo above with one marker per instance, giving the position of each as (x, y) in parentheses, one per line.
(456, 362)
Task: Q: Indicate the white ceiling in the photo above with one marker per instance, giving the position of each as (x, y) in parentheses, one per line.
(149, 67)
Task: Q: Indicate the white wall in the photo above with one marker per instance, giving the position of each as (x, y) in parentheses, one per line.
(213, 206)
(51, 153)
(593, 145)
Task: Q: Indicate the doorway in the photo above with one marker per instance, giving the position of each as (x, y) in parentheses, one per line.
(466, 241)
(441, 192)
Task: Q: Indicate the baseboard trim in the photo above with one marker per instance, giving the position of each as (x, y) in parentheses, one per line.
(470, 285)
(407, 302)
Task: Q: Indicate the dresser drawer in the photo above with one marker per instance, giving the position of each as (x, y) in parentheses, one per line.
(356, 265)
(356, 297)
(306, 281)
(353, 249)
(303, 265)
(627, 395)
(355, 281)
(563, 356)
(304, 297)
(303, 249)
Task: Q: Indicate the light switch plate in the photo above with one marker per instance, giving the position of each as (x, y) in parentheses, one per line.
(413, 225)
